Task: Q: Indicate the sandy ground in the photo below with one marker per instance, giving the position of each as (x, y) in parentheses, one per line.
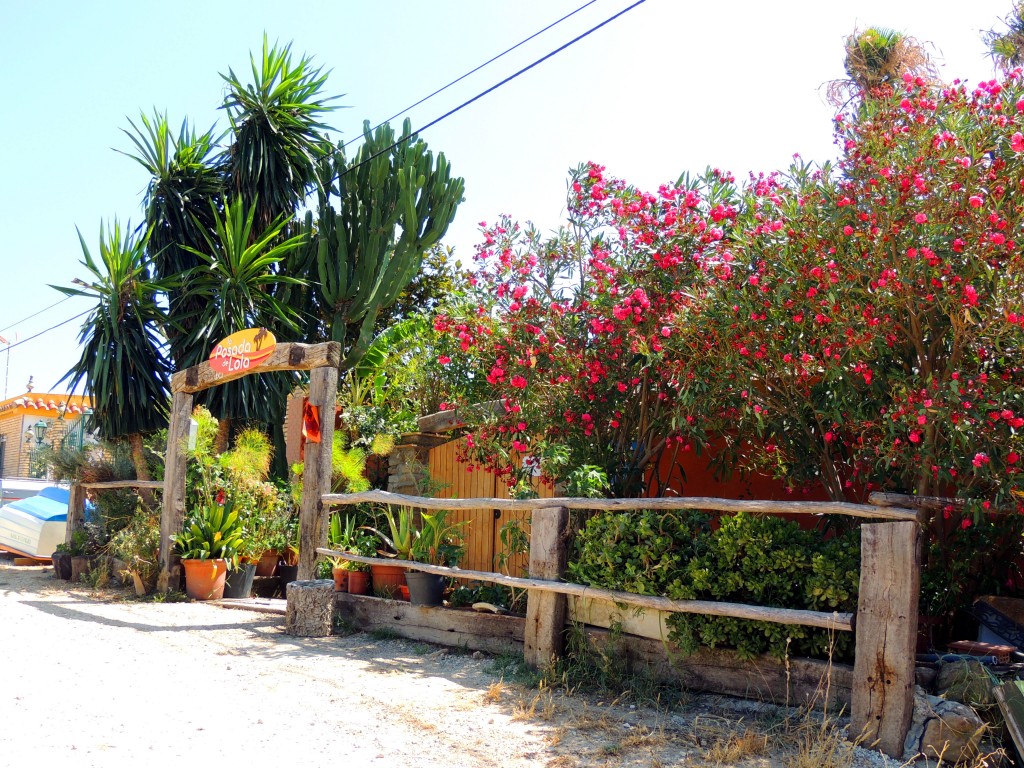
(99, 680)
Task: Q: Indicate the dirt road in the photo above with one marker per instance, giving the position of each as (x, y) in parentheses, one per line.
(91, 680)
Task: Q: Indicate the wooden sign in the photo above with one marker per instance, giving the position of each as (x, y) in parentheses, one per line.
(243, 350)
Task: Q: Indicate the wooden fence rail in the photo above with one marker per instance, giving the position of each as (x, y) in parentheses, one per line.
(76, 499)
(886, 619)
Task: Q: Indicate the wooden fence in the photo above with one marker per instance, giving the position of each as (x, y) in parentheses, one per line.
(885, 621)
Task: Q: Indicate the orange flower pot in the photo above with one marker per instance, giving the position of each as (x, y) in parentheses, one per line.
(204, 579)
(388, 580)
(358, 582)
(340, 579)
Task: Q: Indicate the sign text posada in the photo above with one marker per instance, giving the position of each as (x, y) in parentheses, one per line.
(243, 350)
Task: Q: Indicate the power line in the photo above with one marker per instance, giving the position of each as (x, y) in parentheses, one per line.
(473, 71)
(44, 309)
(493, 88)
(45, 330)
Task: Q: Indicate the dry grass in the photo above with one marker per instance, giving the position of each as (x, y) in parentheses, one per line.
(539, 707)
(648, 738)
(817, 744)
(736, 747)
(494, 692)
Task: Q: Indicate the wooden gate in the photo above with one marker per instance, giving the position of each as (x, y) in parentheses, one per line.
(482, 531)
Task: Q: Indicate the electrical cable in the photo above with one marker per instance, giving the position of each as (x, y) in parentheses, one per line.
(492, 88)
(474, 71)
(44, 309)
(45, 330)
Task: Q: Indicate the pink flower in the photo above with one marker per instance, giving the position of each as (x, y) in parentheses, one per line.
(921, 218)
(965, 524)
(444, 359)
(518, 382)
(975, 201)
(997, 238)
(915, 437)
(980, 459)
(847, 230)
(1012, 457)
(1017, 142)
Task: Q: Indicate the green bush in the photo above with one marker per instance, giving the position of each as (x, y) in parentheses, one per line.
(638, 552)
(749, 559)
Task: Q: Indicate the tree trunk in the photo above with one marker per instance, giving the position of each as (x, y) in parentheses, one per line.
(223, 435)
(141, 468)
(139, 457)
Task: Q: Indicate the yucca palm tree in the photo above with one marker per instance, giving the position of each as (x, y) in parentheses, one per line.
(876, 58)
(1007, 48)
(185, 188)
(277, 133)
(123, 362)
(231, 287)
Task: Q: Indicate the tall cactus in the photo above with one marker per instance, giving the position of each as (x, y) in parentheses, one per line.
(394, 203)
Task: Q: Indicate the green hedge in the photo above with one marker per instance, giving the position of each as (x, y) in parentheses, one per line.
(749, 559)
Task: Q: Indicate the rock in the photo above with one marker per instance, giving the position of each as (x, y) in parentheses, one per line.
(967, 681)
(942, 729)
(438, 655)
(310, 611)
(925, 677)
(478, 655)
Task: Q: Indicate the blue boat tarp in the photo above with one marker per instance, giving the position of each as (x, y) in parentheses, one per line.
(51, 505)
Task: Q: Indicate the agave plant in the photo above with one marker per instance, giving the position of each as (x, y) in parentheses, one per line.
(214, 532)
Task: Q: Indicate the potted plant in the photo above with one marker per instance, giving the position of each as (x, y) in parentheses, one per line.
(350, 576)
(61, 560)
(389, 579)
(208, 543)
(437, 542)
(137, 548)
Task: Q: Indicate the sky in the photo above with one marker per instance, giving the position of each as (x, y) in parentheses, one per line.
(670, 86)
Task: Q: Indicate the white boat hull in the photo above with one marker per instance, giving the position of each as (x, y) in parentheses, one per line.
(35, 526)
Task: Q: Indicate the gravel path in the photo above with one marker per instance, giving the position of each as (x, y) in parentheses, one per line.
(91, 679)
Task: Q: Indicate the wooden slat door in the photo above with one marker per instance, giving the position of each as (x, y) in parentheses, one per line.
(458, 482)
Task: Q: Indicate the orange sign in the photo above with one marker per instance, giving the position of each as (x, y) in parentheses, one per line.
(243, 350)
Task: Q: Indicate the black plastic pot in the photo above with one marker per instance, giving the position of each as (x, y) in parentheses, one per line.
(239, 581)
(286, 574)
(425, 588)
(61, 565)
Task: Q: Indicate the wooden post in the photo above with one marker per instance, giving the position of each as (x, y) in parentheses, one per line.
(172, 513)
(546, 611)
(316, 473)
(76, 511)
(882, 701)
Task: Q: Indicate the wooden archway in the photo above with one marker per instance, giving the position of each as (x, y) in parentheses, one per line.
(322, 361)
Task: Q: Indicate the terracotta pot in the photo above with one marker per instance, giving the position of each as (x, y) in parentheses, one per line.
(340, 579)
(358, 582)
(387, 579)
(204, 579)
(403, 592)
(267, 563)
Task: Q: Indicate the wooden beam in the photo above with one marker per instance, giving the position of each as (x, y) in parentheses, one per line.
(842, 622)
(883, 691)
(110, 484)
(446, 421)
(316, 473)
(172, 512)
(288, 356)
(662, 503)
(546, 611)
(76, 511)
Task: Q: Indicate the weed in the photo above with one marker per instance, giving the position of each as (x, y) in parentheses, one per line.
(384, 633)
(646, 737)
(494, 692)
(737, 747)
(513, 668)
(343, 626)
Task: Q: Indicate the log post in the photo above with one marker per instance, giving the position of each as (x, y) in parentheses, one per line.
(310, 611)
(172, 512)
(316, 472)
(76, 511)
(882, 701)
(546, 611)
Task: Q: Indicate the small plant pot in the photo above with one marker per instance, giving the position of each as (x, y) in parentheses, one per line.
(61, 565)
(403, 592)
(267, 563)
(425, 588)
(387, 579)
(204, 579)
(80, 566)
(340, 579)
(286, 574)
(238, 583)
(358, 582)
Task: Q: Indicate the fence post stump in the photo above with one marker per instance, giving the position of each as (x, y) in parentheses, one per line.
(546, 611)
(882, 701)
(172, 513)
(316, 470)
(76, 511)
(310, 611)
